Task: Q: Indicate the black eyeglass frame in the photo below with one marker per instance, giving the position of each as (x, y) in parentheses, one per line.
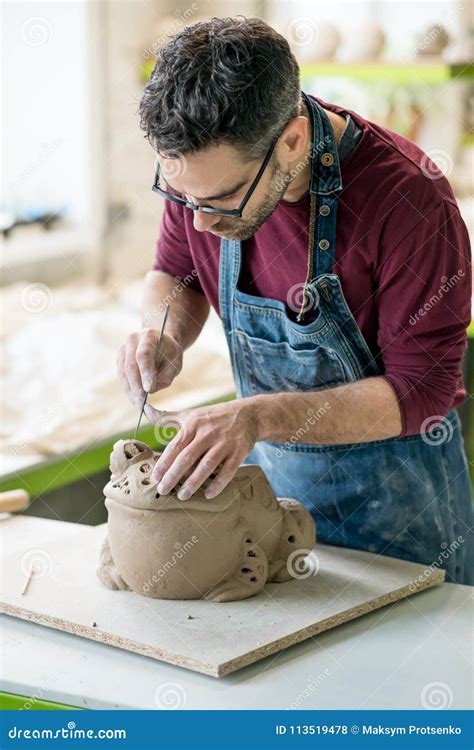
(234, 212)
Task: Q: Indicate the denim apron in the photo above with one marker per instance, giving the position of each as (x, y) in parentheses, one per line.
(406, 497)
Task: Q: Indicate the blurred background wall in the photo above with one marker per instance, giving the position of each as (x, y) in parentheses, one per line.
(77, 171)
(75, 163)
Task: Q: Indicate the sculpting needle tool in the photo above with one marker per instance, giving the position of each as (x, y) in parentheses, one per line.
(158, 345)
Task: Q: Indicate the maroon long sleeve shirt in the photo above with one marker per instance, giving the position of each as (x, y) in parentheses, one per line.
(402, 254)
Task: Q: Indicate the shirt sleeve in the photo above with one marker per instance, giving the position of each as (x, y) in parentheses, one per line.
(173, 252)
(423, 301)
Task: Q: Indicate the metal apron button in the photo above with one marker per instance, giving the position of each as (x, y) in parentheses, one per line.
(323, 244)
(324, 210)
(327, 159)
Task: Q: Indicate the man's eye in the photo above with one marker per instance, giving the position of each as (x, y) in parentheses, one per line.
(229, 197)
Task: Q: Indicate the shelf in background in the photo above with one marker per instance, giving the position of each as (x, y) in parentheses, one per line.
(419, 72)
(30, 244)
(416, 72)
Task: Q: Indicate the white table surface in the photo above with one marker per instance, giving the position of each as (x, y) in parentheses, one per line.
(384, 660)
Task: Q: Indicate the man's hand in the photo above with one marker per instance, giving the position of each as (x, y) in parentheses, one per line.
(139, 368)
(221, 435)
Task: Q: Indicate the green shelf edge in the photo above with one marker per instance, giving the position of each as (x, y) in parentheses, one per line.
(467, 139)
(417, 72)
(424, 73)
(75, 466)
(13, 702)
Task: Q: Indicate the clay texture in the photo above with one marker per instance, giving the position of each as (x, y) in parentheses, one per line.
(224, 549)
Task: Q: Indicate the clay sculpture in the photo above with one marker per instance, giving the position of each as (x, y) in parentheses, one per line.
(224, 549)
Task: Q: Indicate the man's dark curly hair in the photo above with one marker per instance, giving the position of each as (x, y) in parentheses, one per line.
(226, 80)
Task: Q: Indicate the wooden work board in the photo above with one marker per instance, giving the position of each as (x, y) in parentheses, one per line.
(211, 638)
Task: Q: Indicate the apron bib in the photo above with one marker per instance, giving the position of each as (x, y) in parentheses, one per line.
(405, 497)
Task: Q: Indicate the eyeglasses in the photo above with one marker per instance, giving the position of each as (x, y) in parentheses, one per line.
(236, 212)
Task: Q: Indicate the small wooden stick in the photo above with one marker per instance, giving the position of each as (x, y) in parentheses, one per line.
(27, 582)
(14, 501)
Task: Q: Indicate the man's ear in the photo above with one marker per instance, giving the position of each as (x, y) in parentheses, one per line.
(292, 144)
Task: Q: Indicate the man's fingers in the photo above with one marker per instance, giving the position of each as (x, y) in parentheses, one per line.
(152, 414)
(132, 372)
(142, 368)
(157, 369)
(203, 470)
(165, 375)
(225, 475)
(184, 461)
(145, 357)
(165, 423)
(121, 372)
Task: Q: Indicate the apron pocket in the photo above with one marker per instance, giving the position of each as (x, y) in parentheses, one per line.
(266, 366)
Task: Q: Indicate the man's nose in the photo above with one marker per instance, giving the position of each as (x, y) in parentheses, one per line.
(204, 221)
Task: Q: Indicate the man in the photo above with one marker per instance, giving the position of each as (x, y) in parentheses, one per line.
(335, 255)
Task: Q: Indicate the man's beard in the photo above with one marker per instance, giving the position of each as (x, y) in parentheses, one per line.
(243, 229)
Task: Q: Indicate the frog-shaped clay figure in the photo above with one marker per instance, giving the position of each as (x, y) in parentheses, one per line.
(222, 549)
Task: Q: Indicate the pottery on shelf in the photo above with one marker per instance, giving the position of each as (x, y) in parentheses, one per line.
(365, 44)
(432, 41)
(310, 40)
